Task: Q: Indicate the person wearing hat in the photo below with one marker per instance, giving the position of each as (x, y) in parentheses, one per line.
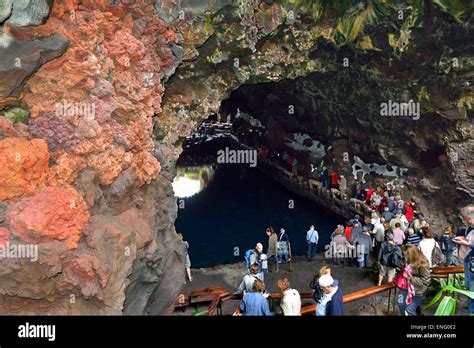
(332, 297)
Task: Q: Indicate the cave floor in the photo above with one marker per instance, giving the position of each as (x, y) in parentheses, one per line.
(351, 280)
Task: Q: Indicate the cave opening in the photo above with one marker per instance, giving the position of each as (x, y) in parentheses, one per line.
(226, 203)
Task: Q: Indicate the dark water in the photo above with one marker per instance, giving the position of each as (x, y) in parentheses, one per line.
(234, 210)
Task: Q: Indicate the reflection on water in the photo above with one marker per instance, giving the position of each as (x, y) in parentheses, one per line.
(191, 180)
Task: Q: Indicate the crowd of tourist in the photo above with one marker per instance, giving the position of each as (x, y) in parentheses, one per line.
(396, 238)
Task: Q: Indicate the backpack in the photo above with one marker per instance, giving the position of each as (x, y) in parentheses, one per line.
(248, 254)
(437, 256)
(318, 292)
(395, 258)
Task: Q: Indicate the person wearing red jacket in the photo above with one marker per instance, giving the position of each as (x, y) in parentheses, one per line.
(409, 213)
(334, 180)
(368, 195)
(348, 230)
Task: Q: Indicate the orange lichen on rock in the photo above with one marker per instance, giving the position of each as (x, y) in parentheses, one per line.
(23, 167)
(146, 167)
(108, 164)
(65, 170)
(52, 213)
(4, 235)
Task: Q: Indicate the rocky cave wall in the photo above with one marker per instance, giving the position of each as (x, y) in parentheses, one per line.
(78, 174)
(335, 63)
(93, 114)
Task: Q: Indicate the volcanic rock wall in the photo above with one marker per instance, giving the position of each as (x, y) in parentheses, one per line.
(76, 155)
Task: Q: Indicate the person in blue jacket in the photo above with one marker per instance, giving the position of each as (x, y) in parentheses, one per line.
(335, 304)
(255, 303)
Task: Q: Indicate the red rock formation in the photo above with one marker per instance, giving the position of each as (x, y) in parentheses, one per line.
(23, 167)
(4, 235)
(52, 213)
(91, 118)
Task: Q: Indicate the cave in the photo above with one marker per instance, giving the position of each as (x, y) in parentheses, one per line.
(224, 208)
(124, 123)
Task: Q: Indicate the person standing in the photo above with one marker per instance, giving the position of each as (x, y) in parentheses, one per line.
(319, 296)
(294, 167)
(466, 252)
(413, 238)
(343, 186)
(396, 220)
(390, 257)
(447, 245)
(255, 303)
(379, 234)
(364, 242)
(416, 272)
(427, 245)
(249, 279)
(348, 230)
(283, 246)
(334, 180)
(324, 177)
(387, 214)
(334, 302)
(272, 246)
(340, 246)
(398, 234)
(187, 260)
(355, 232)
(312, 238)
(291, 301)
(255, 256)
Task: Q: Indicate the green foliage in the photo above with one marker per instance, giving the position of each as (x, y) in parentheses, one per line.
(194, 173)
(208, 29)
(460, 10)
(319, 8)
(448, 304)
(359, 18)
(16, 115)
(447, 307)
(217, 56)
(456, 280)
(374, 267)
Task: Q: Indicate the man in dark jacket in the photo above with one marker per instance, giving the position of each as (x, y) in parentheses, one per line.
(324, 177)
(335, 306)
(355, 232)
(364, 242)
(390, 257)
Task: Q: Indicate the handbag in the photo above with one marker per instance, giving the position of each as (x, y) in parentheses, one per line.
(400, 281)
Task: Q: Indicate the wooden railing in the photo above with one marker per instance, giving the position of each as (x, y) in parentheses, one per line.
(218, 295)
